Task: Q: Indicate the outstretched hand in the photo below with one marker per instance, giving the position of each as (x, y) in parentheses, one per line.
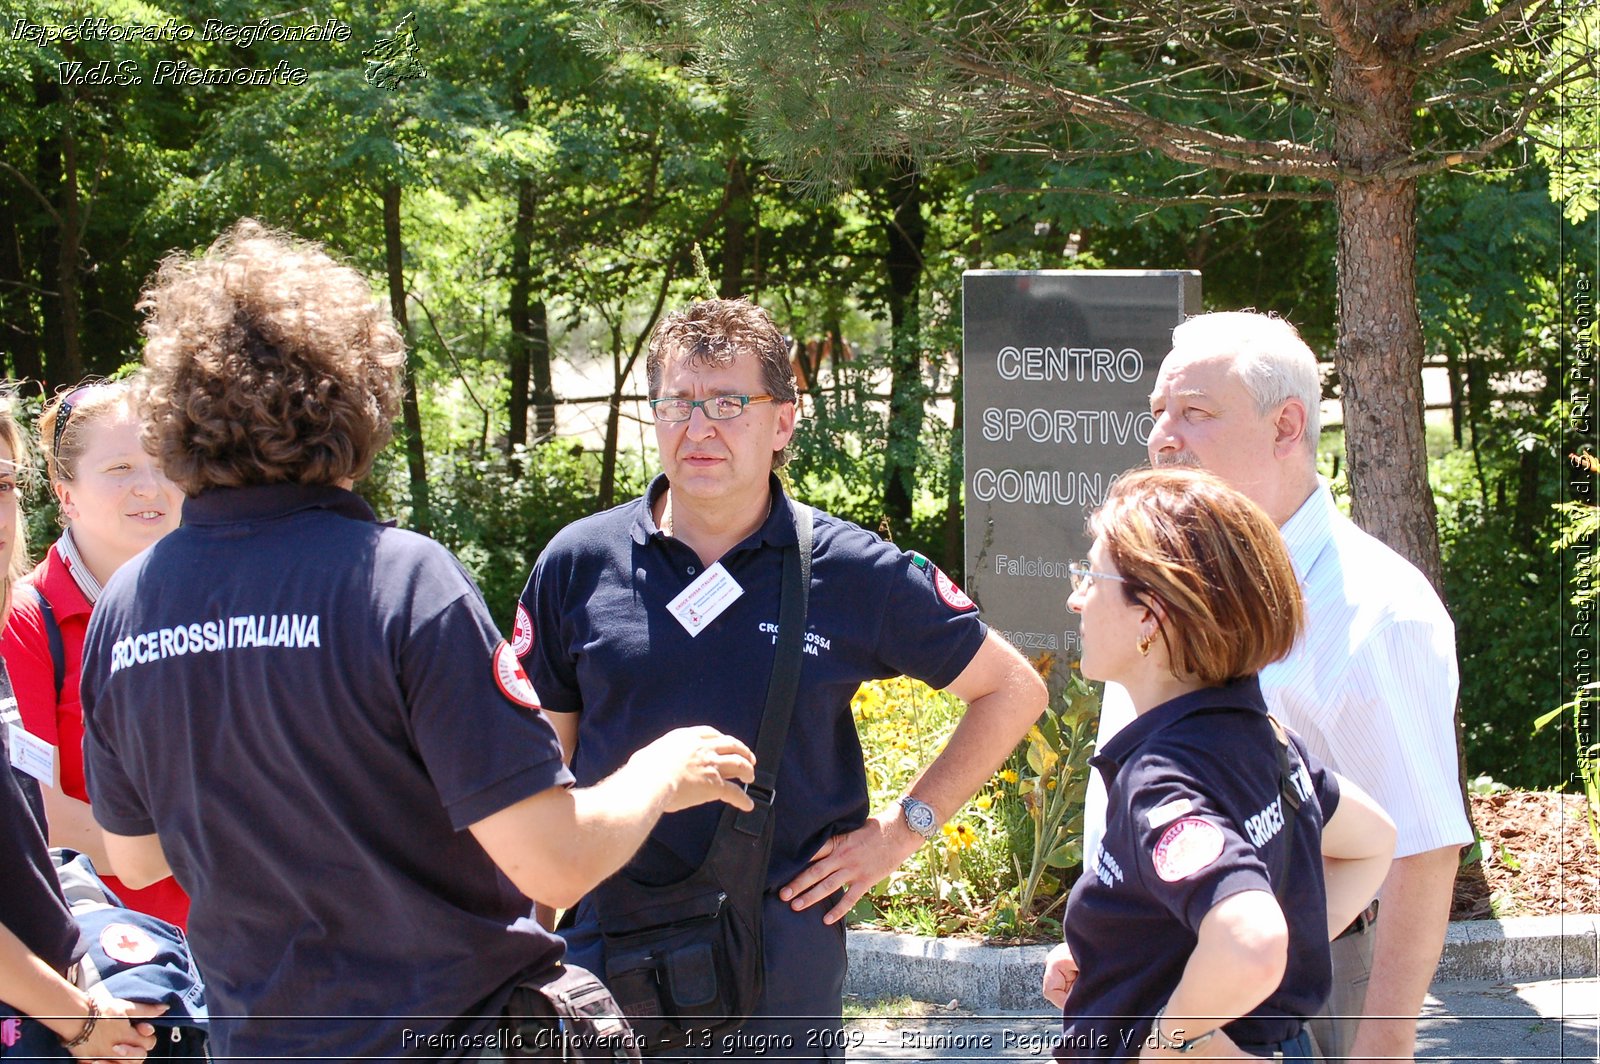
(702, 765)
(853, 862)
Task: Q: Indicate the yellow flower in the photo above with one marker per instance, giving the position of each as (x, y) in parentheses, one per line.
(983, 801)
(960, 835)
(1050, 786)
(1008, 776)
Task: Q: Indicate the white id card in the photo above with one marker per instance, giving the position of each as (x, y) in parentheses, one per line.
(704, 600)
(31, 754)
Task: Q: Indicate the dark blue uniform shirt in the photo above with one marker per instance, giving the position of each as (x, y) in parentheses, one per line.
(1194, 816)
(303, 704)
(598, 640)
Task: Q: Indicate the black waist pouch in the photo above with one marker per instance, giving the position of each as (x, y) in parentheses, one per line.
(565, 1015)
(684, 959)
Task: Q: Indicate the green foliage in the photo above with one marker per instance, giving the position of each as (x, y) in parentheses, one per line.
(1566, 131)
(1502, 588)
(1002, 864)
(1056, 778)
(496, 513)
(1580, 531)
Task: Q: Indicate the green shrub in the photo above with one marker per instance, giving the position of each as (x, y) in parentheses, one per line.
(1002, 865)
(1502, 585)
(497, 520)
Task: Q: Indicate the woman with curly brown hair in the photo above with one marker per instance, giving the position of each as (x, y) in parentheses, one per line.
(1229, 850)
(310, 716)
(114, 502)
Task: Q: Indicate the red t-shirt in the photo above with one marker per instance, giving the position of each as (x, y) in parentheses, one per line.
(25, 646)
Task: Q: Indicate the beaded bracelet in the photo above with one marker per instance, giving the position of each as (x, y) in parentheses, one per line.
(88, 1026)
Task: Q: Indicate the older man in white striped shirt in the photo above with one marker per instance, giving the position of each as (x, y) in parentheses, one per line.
(1371, 686)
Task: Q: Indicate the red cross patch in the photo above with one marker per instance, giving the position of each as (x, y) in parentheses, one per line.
(126, 943)
(522, 634)
(949, 593)
(512, 678)
(1186, 847)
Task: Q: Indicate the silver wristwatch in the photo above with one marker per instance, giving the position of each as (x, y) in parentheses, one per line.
(920, 816)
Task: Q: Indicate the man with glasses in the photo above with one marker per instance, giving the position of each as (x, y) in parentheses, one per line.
(616, 660)
(1371, 685)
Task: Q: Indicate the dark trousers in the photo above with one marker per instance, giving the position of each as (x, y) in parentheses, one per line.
(1296, 1050)
(800, 1014)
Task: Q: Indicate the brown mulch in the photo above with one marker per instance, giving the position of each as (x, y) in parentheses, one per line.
(1539, 858)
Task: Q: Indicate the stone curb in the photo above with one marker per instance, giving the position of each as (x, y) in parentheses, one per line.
(883, 964)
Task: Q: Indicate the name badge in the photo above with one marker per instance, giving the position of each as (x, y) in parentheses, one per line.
(704, 600)
(32, 755)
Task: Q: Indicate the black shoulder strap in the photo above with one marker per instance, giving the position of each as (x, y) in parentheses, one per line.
(785, 680)
(52, 635)
(1289, 791)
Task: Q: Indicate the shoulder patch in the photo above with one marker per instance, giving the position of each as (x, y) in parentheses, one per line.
(511, 677)
(919, 560)
(949, 593)
(522, 634)
(126, 943)
(1186, 847)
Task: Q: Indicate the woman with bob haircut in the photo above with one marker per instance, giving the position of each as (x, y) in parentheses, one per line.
(114, 502)
(1201, 924)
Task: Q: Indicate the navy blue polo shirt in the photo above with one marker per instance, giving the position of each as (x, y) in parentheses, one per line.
(605, 646)
(1194, 816)
(303, 704)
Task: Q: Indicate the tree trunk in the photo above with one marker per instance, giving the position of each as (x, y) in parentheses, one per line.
(735, 229)
(905, 232)
(70, 369)
(955, 557)
(608, 454)
(1379, 354)
(46, 249)
(520, 313)
(17, 313)
(1457, 389)
(411, 412)
(544, 391)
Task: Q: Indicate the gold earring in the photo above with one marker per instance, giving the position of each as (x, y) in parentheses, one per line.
(1144, 645)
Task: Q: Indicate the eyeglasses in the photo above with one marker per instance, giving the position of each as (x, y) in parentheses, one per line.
(1084, 577)
(717, 408)
(64, 414)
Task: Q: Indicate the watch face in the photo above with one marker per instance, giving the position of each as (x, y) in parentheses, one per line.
(920, 816)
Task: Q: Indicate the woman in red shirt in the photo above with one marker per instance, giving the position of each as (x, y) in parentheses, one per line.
(115, 502)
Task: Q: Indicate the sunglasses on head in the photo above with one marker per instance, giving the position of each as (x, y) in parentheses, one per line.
(64, 413)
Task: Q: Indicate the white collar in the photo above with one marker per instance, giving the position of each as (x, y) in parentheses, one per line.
(81, 575)
(1310, 529)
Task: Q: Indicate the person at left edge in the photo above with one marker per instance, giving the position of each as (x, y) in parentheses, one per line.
(114, 502)
(310, 716)
(613, 661)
